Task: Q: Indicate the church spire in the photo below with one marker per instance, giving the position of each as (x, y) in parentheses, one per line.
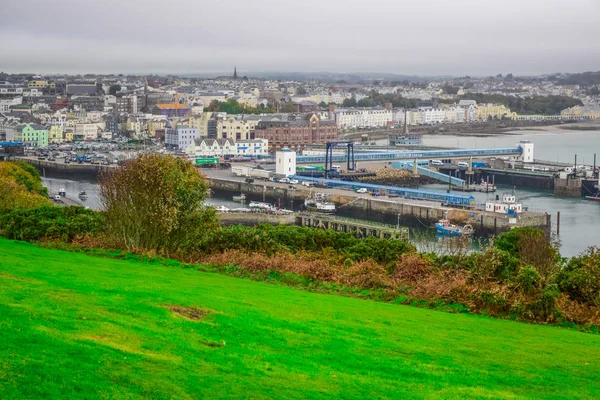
(235, 72)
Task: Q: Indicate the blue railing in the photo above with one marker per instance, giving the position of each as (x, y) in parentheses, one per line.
(419, 194)
(411, 155)
(430, 173)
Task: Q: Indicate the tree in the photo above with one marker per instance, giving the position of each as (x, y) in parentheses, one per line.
(323, 105)
(301, 90)
(351, 102)
(287, 108)
(114, 89)
(366, 102)
(156, 202)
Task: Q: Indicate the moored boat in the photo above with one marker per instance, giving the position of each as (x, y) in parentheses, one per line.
(241, 197)
(594, 198)
(62, 192)
(317, 202)
(83, 195)
(444, 227)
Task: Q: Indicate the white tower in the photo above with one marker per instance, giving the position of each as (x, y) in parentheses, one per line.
(286, 162)
(527, 154)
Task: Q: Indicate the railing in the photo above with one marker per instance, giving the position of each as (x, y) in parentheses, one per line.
(430, 173)
(411, 155)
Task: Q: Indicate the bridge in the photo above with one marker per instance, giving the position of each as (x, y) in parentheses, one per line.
(358, 228)
(409, 166)
(412, 155)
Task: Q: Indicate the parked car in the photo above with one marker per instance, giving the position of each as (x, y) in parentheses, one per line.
(294, 181)
(361, 190)
(437, 163)
(306, 183)
(284, 180)
(249, 180)
(56, 197)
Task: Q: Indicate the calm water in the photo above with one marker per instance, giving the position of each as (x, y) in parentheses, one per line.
(93, 190)
(551, 145)
(580, 218)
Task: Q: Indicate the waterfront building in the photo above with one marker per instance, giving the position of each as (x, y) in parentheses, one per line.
(285, 162)
(32, 135)
(297, 134)
(362, 117)
(204, 147)
(55, 134)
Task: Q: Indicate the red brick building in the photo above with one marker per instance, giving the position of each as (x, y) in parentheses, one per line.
(296, 134)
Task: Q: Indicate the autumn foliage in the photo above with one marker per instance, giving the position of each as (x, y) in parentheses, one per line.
(156, 202)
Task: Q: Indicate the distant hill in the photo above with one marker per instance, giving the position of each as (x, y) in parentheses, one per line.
(324, 76)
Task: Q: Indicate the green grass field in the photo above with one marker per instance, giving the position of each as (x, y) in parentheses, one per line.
(74, 326)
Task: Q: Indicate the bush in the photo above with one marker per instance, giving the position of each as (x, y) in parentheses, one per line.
(49, 222)
(580, 278)
(528, 280)
(156, 202)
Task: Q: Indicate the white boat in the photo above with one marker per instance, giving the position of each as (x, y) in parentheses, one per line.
(485, 187)
(255, 205)
(83, 195)
(62, 192)
(318, 202)
(221, 209)
(241, 197)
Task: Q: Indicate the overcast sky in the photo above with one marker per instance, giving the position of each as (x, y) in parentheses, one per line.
(422, 37)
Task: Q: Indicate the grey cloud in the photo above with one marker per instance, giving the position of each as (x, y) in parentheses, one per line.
(429, 37)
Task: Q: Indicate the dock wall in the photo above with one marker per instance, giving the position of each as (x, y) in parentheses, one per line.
(388, 211)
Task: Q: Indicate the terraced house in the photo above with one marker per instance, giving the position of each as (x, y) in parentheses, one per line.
(33, 135)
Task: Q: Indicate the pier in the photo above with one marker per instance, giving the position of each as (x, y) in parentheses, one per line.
(357, 227)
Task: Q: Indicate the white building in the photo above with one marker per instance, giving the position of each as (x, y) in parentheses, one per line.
(362, 118)
(506, 205)
(181, 137)
(433, 115)
(6, 103)
(85, 131)
(527, 154)
(285, 162)
(228, 147)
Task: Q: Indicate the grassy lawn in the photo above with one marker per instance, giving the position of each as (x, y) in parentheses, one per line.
(74, 326)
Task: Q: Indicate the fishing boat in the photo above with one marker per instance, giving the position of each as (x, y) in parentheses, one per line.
(240, 198)
(444, 227)
(594, 198)
(62, 192)
(83, 195)
(317, 202)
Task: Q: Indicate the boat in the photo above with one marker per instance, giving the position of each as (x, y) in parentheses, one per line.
(241, 197)
(62, 192)
(83, 195)
(317, 202)
(258, 206)
(485, 187)
(595, 198)
(444, 227)
(221, 209)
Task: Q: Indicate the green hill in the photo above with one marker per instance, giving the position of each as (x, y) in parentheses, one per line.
(74, 326)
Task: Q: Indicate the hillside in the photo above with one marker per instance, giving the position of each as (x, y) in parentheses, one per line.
(74, 326)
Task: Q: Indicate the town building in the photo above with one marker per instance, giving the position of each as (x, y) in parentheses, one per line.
(298, 133)
(204, 147)
(362, 117)
(82, 89)
(171, 110)
(180, 137)
(32, 135)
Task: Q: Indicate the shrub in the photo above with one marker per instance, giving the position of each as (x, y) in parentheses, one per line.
(580, 278)
(528, 280)
(25, 175)
(50, 222)
(156, 202)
